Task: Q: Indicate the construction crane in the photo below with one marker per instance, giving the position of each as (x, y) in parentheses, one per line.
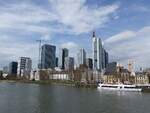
(39, 58)
(40, 44)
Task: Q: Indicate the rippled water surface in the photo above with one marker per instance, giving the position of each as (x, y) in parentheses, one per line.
(33, 98)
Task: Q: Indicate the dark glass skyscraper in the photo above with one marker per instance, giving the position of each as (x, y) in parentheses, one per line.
(106, 59)
(13, 68)
(111, 68)
(48, 56)
(57, 61)
(63, 54)
(69, 63)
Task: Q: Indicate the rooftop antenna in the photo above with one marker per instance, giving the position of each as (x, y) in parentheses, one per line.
(94, 34)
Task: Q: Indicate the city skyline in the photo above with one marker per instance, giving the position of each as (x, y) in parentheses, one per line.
(123, 27)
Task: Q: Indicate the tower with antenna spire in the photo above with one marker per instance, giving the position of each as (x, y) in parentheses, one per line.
(99, 57)
(97, 53)
(93, 34)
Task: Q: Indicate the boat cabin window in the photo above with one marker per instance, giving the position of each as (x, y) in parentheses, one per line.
(110, 86)
(130, 87)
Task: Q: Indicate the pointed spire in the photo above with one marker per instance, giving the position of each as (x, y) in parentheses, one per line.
(93, 33)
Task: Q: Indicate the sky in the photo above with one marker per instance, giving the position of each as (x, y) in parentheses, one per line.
(122, 25)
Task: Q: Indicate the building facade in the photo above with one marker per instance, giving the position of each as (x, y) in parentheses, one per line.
(24, 67)
(100, 56)
(111, 68)
(106, 58)
(1, 74)
(141, 78)
(81, 57)
(13, 68)
(48, 56)
(62, 55)
(57, 61)
(97, 53)
(69, 63)
(89, 63)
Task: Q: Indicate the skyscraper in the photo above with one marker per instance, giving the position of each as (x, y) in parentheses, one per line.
(81, 57)
(97, 53)
(89, 63)
(111, 68)
(13, 68)
(24, 67)
(69, 63)
(48, 56)
(57, 61)
(106, 59)
(62, 55)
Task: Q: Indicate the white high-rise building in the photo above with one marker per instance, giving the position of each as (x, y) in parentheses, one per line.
(24, 67)
(81, 57)
(97, 53)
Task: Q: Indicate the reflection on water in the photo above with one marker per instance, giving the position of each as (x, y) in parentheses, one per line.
(120, 93)
(33, 98)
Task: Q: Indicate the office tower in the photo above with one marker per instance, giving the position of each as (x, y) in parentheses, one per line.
(48, 56)
(1, 74)
(13, 68)
(63, 54)
(103, 58)
(81, 57)
(24, 67)
(57, 61)
(69, 63)
(111, 68)
(97, 53)
(106, 59)
(89, 63)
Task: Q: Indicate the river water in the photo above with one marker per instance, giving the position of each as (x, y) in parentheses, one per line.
(34, 98)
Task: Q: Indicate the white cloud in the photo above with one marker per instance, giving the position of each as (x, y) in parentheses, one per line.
(130, 45)
(69, 45)
(140, 8)
(24, 18)
(80, 18)
(72, 15)
(121, 37)
(22, 21)
(11, 50)
(73, 48)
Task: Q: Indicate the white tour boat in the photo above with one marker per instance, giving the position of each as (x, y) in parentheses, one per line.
(119, 87)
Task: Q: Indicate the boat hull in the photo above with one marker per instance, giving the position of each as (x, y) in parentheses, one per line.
(119, 88)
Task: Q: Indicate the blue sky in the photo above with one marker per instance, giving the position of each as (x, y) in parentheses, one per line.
(123, 26)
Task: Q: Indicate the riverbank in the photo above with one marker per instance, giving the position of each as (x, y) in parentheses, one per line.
(54, 82)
